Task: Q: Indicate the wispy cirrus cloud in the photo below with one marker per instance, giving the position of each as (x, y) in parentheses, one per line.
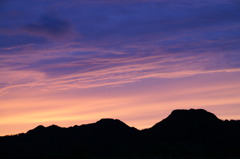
(91, 69)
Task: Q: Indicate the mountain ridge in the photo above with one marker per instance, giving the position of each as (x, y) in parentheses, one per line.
(177, 116)
(197, 132)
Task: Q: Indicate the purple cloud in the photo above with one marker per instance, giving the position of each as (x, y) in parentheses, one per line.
(128, 40)
(49, 25)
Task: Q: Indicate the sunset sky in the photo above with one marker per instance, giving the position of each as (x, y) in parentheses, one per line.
(77, 61)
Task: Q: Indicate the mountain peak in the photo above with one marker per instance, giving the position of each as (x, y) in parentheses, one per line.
(189, 117)
(108, 122)
(192, 114)
(54, 127)
(39, 128)
(113, 125)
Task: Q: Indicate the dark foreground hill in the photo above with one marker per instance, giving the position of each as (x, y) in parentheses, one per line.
(184, 134)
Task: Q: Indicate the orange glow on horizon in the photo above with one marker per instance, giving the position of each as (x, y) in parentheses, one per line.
(138, 107)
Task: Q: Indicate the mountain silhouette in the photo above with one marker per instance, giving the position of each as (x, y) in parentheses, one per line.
(41, 129)
(194, 133)
(192, 117)
(193, 126)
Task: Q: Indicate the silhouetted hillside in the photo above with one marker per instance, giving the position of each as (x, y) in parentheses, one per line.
(192, 117)
(187, 126)
(183, 134)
